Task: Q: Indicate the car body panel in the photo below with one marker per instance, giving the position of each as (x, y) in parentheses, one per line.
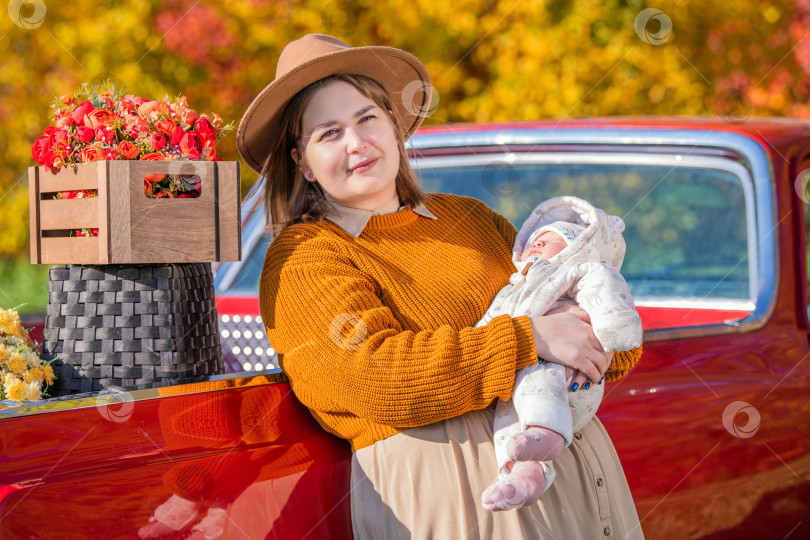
(711, 426)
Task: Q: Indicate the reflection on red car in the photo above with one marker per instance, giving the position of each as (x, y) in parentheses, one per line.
(712, 426)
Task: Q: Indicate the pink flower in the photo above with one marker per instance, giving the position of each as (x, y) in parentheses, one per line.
(157, 141)
(98, 117)
(64, 122)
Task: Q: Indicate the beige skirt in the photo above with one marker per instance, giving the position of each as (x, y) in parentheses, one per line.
(427, 483)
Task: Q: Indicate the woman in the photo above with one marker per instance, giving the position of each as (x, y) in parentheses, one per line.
(369, 293)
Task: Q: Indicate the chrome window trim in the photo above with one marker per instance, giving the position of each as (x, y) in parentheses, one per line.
(757, 160)
(628, 158)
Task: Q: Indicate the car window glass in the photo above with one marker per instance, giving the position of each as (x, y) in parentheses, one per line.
(686, 228)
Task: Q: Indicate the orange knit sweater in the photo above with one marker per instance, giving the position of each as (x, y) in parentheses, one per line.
(375, 333)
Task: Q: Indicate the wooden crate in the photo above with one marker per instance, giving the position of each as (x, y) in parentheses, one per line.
(135, 229)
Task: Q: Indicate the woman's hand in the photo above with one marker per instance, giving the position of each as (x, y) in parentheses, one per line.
(564, 336)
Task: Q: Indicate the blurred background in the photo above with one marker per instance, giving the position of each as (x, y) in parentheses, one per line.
(490, 60)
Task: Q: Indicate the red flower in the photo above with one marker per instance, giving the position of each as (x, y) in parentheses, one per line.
(59, 136)
(60, 146)
(80, 111)
(177, 134)
(41, 151)
(191, 144)
(157, 141)
(104, 134)
(85, 134)
(204, 128)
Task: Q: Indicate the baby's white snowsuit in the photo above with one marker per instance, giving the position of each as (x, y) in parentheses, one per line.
(586, 273)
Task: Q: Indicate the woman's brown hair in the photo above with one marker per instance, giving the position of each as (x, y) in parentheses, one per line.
(288, 197)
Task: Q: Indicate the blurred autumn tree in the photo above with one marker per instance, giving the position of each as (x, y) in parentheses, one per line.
(491, 60)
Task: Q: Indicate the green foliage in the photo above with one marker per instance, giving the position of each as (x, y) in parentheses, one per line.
(23, 283)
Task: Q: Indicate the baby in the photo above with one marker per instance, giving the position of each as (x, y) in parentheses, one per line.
(567, 252)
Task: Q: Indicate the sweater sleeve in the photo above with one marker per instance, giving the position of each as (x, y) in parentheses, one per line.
(345, 352)
(505, 227)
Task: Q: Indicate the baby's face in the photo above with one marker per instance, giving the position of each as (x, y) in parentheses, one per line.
(544, 246)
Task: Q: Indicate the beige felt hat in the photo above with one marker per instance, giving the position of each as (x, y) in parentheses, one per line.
(315, 56)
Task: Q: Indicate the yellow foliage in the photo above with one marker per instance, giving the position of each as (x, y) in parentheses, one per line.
(490, 60)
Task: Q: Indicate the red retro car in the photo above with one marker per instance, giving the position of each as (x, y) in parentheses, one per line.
(712, 425)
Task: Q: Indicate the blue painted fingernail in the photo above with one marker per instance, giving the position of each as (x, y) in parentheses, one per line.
(602, 379)
(540, 360)
(574, 387)
(587, 385)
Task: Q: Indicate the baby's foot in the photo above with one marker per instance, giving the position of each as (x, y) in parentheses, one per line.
(172, 516)
(522, 487)
(211, 527)
(535, 444)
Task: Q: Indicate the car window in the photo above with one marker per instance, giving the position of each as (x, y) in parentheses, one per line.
(687, 227)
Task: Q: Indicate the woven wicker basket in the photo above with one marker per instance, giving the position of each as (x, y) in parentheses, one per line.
(134, 326)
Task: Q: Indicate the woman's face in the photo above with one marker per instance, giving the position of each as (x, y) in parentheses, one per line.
(350, 148)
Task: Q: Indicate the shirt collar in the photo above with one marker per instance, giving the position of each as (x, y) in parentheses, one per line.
(354, 220)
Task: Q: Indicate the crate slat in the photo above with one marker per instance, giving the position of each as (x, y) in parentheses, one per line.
(77, 249)
(69, 178)
(69, 214)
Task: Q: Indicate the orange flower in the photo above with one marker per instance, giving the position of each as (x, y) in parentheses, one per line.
(189, 116)
(154, 156)
(166, 127)
(128, 150)
(91, 153)
(150, 107)
(99, 117)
